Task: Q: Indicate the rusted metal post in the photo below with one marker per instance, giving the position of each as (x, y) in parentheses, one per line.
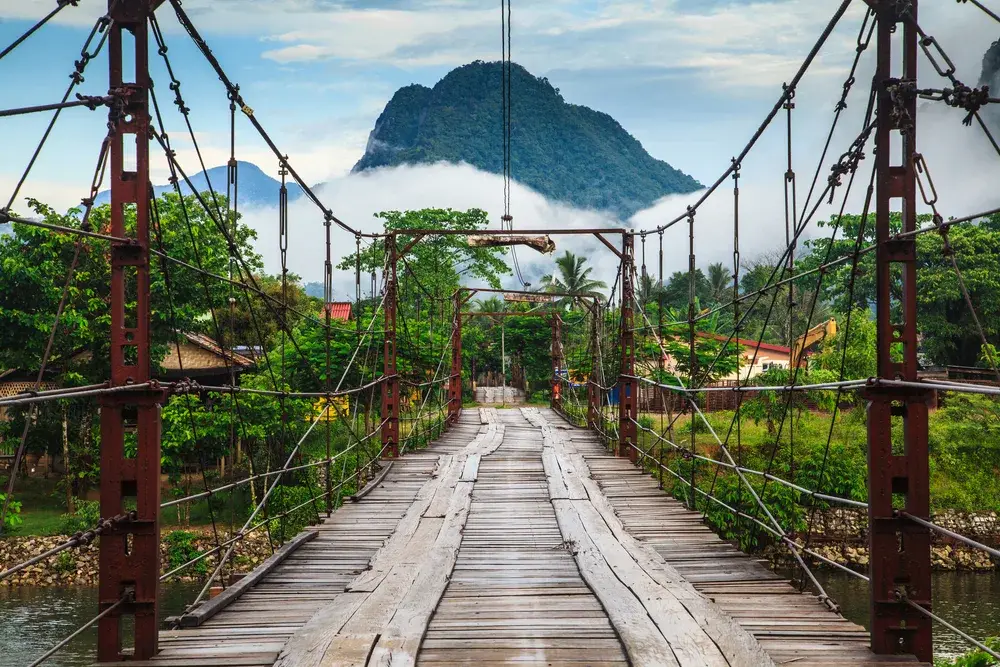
(628, 397)
(130, 550)
(327, 305)
(390, 380)
(692, 356)
(455, 381)
(897, 475)
(556, 398)
(593, 395)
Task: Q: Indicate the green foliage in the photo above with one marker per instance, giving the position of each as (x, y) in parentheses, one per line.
(949, 332)
(715, 356)
(771, 406)
(13, 518)
(439, 262)
(975, 658)
(554, 145)
(181, 549)
(965, 453)
(860, 360)
(33, 266)
(572, 277)
(64, 563)
(86, 516)
(286, 498)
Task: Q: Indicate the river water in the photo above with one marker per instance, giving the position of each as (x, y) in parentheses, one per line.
(33, 619)
(969, 601)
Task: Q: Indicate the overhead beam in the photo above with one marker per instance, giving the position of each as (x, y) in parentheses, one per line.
(611, 247)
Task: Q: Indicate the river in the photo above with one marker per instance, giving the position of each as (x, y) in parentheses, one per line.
(33, 619)
(969, 601)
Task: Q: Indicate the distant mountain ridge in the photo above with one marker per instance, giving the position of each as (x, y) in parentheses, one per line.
(255, 188)
(566, 152)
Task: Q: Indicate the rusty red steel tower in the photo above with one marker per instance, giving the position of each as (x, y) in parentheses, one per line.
(594, 403)
(898, 473)
(390, 379)
(455, 381)
(557, 355)
(130, 550)
(628, 395)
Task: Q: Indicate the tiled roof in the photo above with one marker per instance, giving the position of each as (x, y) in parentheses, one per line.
(339, 310)
(781, 349)
(211, 355)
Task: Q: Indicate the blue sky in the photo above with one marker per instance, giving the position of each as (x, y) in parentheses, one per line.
(691, 79)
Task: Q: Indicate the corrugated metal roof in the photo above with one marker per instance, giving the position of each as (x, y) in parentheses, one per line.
(339, 310)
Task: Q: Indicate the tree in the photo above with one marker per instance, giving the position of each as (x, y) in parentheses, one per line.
(948, 330)
(714, 357)
(859, 359)
(720, 283)
(259, 324)
(572, 277)
(676, 294)
(33, 271)
(438, 261)
(650, 292)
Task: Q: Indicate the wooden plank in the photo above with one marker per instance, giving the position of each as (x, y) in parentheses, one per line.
(643, 641)
(372, 484)
(212, 607)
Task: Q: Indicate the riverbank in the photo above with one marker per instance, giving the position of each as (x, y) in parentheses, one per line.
(79, 566)
(842, 536)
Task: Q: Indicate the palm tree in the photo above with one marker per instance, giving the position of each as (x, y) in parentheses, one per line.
(493, 304)
(572, 278)
(720, 282)
(650, 291)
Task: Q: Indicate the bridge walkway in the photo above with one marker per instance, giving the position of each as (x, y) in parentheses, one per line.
(517, 539)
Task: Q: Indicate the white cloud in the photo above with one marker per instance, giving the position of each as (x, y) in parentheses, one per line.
(357, 197)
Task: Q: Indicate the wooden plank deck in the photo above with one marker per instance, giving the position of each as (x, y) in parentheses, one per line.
(794, 628)
(256, 627)
(516, 595)
(517, 539)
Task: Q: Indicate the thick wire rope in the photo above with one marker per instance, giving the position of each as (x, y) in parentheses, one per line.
(101, 27)
(794, 372)
(234, 92)
(803, 68)
(60, 5)
(157, 228)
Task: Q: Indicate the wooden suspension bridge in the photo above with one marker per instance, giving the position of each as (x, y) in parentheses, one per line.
(516, 538)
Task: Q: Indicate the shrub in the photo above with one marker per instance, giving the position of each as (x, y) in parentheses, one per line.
(975, 658)
(13, 518)
(86, 516)
(284, 499)
(181, 549)
(65, 562)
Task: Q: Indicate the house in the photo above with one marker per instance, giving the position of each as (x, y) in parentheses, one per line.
(201, 358)
(340, 311)
(14, 382)
(757, 357)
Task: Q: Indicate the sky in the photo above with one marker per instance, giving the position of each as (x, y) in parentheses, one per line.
(690, 79)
